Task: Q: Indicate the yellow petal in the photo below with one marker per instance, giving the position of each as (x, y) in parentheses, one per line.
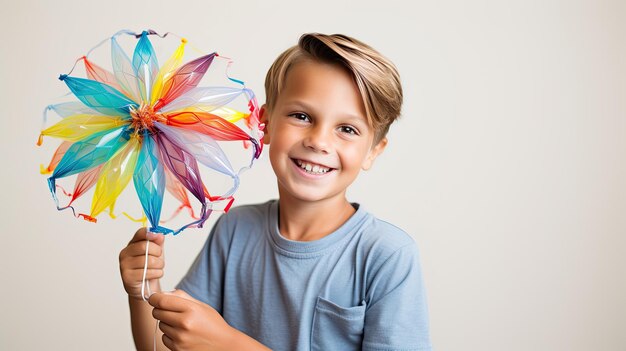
(77, 127)
(114, 177)
(166, 71)
(226, 113)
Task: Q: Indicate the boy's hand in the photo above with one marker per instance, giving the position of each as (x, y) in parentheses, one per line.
(132, 260)
(189, 324)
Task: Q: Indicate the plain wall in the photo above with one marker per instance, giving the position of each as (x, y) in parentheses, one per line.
(507, 167)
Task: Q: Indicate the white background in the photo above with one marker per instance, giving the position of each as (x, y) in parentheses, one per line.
(508, 165)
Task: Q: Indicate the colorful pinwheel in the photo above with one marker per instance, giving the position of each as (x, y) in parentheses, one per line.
(152, 124)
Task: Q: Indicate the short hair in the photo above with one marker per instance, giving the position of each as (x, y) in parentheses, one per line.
(376, 76)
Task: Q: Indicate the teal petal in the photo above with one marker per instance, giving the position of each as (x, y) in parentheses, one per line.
(91, 152)
(99, 96)
(149, 180)
(146, 66)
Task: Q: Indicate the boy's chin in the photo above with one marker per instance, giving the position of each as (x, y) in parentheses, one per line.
(312, 196)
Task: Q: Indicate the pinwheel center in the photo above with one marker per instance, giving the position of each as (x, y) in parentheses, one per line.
(143, 118)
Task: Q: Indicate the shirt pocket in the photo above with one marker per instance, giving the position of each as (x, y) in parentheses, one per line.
(336, 327)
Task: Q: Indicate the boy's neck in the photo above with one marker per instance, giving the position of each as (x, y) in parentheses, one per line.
(308, 221)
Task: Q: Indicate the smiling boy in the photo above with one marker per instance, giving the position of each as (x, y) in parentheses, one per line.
(310, 271)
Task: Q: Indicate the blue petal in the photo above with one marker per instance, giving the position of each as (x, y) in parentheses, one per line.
(99, 96)
(146, 66)
(149, 180)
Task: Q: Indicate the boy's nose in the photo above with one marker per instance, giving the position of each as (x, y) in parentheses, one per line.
(318, 140)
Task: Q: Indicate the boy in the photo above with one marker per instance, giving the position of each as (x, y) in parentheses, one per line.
(310, 271)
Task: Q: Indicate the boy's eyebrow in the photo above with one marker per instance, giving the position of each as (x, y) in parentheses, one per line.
(306, 106)
(299, 103)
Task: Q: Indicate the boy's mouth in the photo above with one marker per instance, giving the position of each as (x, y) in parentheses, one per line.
(311, 168)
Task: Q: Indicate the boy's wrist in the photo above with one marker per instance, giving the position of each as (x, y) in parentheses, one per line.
(155, 287)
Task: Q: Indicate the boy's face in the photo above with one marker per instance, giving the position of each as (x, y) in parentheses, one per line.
(318, 134)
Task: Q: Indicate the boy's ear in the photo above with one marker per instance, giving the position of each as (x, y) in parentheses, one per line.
(373, 153)
(263, 118)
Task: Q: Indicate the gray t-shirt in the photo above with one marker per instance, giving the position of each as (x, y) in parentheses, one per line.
(359, 287)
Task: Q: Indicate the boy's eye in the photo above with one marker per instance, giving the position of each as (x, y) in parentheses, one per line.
(348, 130)
(300, 116)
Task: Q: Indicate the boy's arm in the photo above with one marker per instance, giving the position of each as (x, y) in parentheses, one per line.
(144, 326)
(132, 261)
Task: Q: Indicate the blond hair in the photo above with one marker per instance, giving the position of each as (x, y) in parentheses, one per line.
(376, 77)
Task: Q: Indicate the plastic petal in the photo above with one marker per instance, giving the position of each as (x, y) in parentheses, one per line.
(174, 187)
(202, 146)
(185, 169)
(149, 180)
(208, 97)
(186, 78)
(207, 123)
(213, 126)
(58, 155)
(66, 109)
(86, 154)
(91, 152)
(182, 164)
(114, 177)
(226, 113)
(78, 127)
(123, 71)
(145, 66)
(97, 73)
(99, 96)
(85, 181)
(167, 70)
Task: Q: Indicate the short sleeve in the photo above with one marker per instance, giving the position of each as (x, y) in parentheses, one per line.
(396, 316)
(203, 281)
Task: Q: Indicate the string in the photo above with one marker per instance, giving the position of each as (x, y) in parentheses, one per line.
(145, 284)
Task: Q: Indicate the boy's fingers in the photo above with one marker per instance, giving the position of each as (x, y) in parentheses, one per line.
(139, 249)
(168, 302)
(136, 275)
(157, 238)
(150, 274)
(167, 329)
(168, 318)
(153, 274)
(143, 234)
(168, 342)
(138, 262)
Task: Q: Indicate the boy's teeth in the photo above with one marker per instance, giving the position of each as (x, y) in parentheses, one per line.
(311, 168)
